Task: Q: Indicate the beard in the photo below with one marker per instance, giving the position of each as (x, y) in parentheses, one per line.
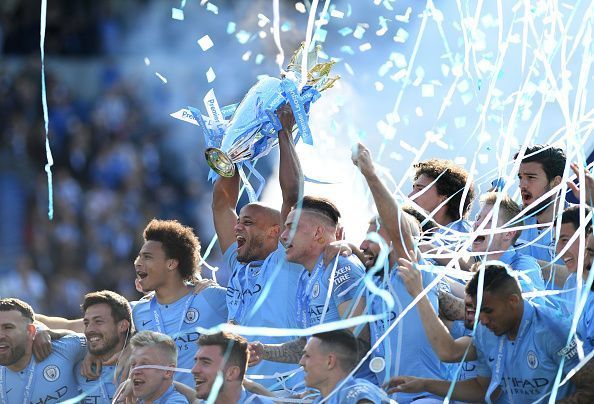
(17, 353)
(108, 346)
(251, 249)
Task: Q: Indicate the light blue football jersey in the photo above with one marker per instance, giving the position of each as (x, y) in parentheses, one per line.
(452, 236)
(468, 369)
(171, 396)
(585, 328)
(179, 320)
(249, 397)
(314, 287)
(100, 390)
(351, 391)
(529, 364)
(528, 266)
(276, 280)
(406, 349)
(49, 381)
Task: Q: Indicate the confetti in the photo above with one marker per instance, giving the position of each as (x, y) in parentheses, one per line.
(147, 61)
(161, 77)
(246, 56)
(231, 27)
(300, 7)
(401, 36)
(177, 14)
(378, 86)
(263, 20)
(210, 75)
(383, 23)
(212, 8)
(405, 17)
(259, 58)
(365, 47)
(427, 90)
(345, 31)
(359, 32)
(205, 43)
(242, 37)
(336, 14)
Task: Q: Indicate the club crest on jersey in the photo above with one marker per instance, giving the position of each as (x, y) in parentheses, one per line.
(192, 316)
(51, 373)
(532, 360)
(315, 291)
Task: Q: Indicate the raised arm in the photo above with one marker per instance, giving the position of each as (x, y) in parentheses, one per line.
(60, 323)
(388, 209)
(288, 352)
(444, 346)
(290, 175)
(224, 202)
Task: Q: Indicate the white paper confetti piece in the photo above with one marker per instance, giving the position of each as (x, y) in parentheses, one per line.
(177, 14)
(299, 6)
(359, 32)
(231, 27)
(147, 61)
(160, 76)
(210, 75)
(419, 111)
(263, 20)
(378, 86)
(347, 49)
(242, 37)
(365, 47)
(212, 8)
(246, 56)
(387, 131)
(383, 22)
(405, 17)
(320, 35)
(427, 90)
(259, 58)
(401, 36)
(205, 43)
(336, 14)
(345, 31)
(399, 60)
(349, 69)
(460, 160)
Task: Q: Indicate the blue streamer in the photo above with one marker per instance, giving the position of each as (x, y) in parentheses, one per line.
(48, 150)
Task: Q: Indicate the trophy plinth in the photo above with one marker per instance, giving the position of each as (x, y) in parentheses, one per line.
(220, 162)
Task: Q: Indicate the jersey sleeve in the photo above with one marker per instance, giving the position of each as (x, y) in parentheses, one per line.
(362, 391)
(216, 297)
(73, 347)
(346, 280)
(555, 341)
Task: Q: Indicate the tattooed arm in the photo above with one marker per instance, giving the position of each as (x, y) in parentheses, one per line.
(288, 352)
(450, 307)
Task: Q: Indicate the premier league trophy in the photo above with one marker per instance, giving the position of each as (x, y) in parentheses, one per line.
(251, 131)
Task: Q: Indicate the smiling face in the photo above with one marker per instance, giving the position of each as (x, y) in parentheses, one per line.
(15, 335)
(149, 384)
(152, 266)
(371, 250)
(255, 234)
(469, 312)
(209, 360)
(101, 330)
(571, 256)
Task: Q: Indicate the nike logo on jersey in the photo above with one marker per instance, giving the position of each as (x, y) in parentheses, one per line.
(145, 322)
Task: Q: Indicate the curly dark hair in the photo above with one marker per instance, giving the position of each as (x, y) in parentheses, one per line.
(451, 180)
(179, 242)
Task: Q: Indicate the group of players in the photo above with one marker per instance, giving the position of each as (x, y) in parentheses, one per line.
(429, 306)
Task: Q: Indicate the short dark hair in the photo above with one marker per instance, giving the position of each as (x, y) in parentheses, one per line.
(572, 215)
(425, 222)
(342, 342)
(233, 345)
(11, 303)
(320, 205)
(497, 280)
(450, 181)
(179, 242)
(120, 308)
(552, 159)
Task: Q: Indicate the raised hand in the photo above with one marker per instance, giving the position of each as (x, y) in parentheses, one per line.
(362, 159)
(410, 275)
(587, 186)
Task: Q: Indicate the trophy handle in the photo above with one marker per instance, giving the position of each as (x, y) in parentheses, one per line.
(220, 162)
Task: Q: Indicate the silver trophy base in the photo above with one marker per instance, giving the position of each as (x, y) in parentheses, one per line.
(220, 162)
